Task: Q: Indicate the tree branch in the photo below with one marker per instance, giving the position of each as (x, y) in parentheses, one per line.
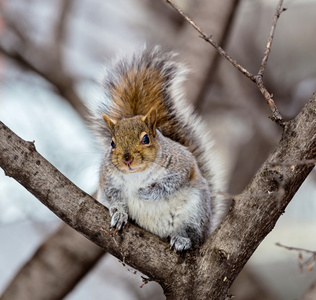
(308, 263)
(214, 15)
(71, 257)
(27, 54)
(276, 16)
(63, 83)
(205, 272)
(210, 40)
(22, 283)
(296, 249)
(76, 208)
(258, 79)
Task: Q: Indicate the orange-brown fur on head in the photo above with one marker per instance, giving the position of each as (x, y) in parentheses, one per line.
(129, 153)
(140, 90)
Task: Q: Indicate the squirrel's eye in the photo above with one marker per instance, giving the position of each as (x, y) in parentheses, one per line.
(145, 139)
(113, 144)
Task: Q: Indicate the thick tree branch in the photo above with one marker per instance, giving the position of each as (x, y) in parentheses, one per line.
(64, 280)
(253, 213)
(55, 268)
(20, 160)
(206, 272)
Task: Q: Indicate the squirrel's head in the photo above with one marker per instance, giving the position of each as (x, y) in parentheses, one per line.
(134, 144)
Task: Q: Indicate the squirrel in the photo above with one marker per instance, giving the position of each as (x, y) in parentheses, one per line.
(159, 168)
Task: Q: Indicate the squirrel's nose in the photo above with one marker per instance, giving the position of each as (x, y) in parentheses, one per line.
(127, 159)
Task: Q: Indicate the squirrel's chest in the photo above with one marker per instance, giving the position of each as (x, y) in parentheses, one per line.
(164, 216)
(161, 216)
(131, 183)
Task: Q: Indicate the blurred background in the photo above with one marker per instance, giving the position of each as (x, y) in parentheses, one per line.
(52, 54)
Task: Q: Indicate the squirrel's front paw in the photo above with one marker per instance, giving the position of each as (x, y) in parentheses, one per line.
(180, 243)
(145, 194)
(119, 218)
(148, 193)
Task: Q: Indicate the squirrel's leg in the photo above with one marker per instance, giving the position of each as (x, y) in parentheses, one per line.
(165, 187)
(119, 218)
(180, 243)
(118, 208)
(187, 236)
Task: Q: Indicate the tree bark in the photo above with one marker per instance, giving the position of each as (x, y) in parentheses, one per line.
(60, 80)
(201, 273)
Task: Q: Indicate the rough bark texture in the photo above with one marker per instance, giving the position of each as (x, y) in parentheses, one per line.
(56, 75)
(203, 273)
(63, 253)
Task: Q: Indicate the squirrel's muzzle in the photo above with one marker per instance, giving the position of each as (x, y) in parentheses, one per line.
(128, 159)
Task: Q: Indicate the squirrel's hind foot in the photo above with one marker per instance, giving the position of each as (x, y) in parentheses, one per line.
(180, 243)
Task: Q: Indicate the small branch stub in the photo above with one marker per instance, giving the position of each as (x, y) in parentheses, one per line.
(276, 116)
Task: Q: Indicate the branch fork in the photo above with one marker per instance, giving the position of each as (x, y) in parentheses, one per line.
(258, 79)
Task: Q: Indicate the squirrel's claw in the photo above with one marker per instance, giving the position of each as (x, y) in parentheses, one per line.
(119, 219)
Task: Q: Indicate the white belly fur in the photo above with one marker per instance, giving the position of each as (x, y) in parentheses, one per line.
(156, 216)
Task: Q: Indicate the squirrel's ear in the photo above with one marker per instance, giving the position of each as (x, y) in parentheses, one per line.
(109, 123)
(151, 120)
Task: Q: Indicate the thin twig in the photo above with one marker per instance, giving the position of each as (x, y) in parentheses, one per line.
(210, 40)
(20, 59)
(276, 16)
(258, 79)
(296, 249)
(145, 280)
(309, 263)
(276, 116)
(112, 235)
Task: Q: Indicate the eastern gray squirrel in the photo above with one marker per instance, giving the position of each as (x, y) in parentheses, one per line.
(159, 168)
